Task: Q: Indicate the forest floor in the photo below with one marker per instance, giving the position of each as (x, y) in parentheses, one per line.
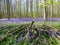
(16, 23)
(26, 20)
(30, 19)
(6, 22)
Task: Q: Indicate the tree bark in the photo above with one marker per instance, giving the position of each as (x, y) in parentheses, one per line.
(8, 9)
(27, 7)
(0, 10)
(31, 8)
(45, 11)
(58, 10)
(37, 8)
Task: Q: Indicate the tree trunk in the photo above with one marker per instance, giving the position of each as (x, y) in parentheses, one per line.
(20, 10)
(52, 13)
(8, 8)
(37, 8)
(31, 8)
(58, 10)
(45, 11)
(27, 7)
(0, 11)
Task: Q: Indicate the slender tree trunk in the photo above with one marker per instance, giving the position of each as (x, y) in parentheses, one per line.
(52, 13)
(27, 7)
(24, 10)
(58, 10)
(31, 8)
(8, 9)
(20, 10)
(11, 12)
(0, 11)
(37, 8)
(34, 8)
(4, 9)
(45, 11)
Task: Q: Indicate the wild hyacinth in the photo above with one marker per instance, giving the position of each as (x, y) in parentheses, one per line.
(33, 35)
